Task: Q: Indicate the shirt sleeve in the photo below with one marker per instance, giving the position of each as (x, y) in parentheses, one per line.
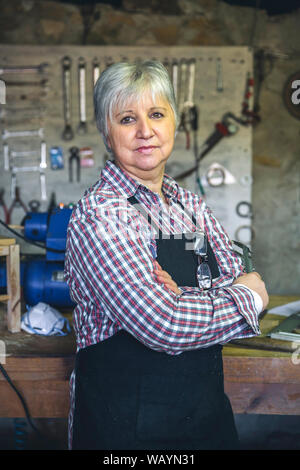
(116, 271)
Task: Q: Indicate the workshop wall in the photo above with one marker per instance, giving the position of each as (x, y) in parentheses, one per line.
(276, 163)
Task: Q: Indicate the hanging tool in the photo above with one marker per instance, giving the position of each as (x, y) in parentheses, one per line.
(188, 75)
(30, 133)
(23, 69)
(5, 209)
(96, 70)
(194, 120)
(66, 66)
(42, 83)
(29, 168)
(17, 202)
(82, 128)
(74, 157)
(219, 75)
(248, 114)
(225, 128)
(175, 78)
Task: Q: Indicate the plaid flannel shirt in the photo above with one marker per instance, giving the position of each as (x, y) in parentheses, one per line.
(109, 269)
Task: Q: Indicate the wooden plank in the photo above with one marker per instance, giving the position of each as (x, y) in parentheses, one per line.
(4, 298)
(259, 398)
(13, 289)
(7, 241)
(50, 399)
(4, 250)
(39, 368)
(266, 370)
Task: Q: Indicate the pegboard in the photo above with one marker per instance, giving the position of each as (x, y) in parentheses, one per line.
(221, 75)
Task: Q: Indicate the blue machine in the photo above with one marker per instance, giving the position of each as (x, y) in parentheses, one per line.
(42, 279)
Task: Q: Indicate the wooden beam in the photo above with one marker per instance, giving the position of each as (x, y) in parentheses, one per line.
(13, 289)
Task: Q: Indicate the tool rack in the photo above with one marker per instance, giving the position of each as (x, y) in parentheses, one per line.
(222, 86)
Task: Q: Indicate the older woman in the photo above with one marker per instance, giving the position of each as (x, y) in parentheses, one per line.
(157, 285)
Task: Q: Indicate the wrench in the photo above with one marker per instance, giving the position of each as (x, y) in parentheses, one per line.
(28, 112)
(219, 75)
(24, 69)
(6, 156)
(42, 83)
(82, 128)
(175, 78)
(96, 70)
(66, 64)
(43, 163)
(38, 133)
(23, 169)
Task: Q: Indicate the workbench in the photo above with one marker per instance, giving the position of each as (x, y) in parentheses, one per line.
(256, 380)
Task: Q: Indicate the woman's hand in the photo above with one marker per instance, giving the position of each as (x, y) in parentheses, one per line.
(165, 278)
(254, 281)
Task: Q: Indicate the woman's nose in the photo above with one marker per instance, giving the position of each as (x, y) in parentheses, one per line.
(144, 128)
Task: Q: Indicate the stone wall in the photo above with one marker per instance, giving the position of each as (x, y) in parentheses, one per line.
(276, 159)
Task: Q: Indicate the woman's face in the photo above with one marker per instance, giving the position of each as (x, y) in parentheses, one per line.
(141, 136)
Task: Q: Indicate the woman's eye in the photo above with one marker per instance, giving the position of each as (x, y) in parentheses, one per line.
(157, 115)
(127, 119)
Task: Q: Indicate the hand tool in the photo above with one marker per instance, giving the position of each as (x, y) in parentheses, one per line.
(35, 111)
(66, 67)
(175, 78)
(23, 69)
(182, 92)
(5, 209)
(224, 128)
(194, 120)
(74, 157)
(219, 75)
(6, 156)
(17, 202)
(29, 168)
(96, 70)
(248, 113)
(2, 92)
(30, 133)
(82, 128)
(247, 211)
(42, 83)
(188, 75)
(24, 169)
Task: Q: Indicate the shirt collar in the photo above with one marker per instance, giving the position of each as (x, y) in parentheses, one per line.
(127, 186)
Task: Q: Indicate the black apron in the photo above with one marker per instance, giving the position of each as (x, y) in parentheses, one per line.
(129, 397)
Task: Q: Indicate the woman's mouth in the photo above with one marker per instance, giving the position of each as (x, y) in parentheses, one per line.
(146, 150)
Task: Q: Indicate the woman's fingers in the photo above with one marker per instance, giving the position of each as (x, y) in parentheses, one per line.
(165, 278)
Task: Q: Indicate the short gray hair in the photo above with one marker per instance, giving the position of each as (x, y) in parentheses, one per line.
(123, 81)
